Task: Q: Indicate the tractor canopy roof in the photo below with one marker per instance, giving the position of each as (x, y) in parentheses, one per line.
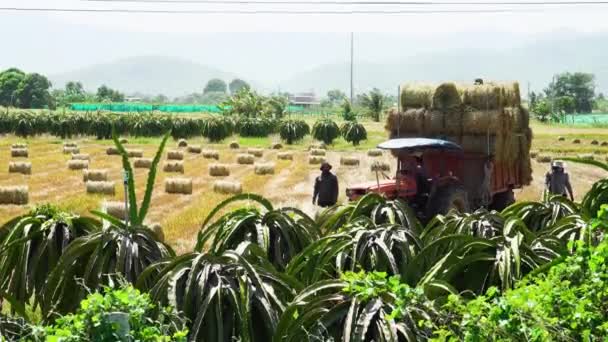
(419, 144)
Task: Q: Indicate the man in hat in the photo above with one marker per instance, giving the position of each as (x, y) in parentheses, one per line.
(558, 181)
(326, 188)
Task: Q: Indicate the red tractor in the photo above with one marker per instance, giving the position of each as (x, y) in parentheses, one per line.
(435, 176)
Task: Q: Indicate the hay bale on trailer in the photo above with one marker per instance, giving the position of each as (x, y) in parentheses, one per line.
(112, 151)
(491, 95)
(446, 97)
(101, 187)
(17, 195)
(19, 145)
(263, 169)
(19, 152)
(285, 156)
(234, 145)
(276, 146)
(142, 163)
(211, 154)
(78, 164)
(219, 170)
(316, 160)
(416, 96)
(182, 143)
(173, 166)
(95, 175)
(410, 121)
(226, 187)
(256, 152)
(349, 161)
(175, 155)
(115, 209)
(245, 159)
(81, 156)
(317, 152)
(195, 149)
(24, 168)
(135, 153)
(380, 167)
(178, 186)
(71, 150)
(375, 152)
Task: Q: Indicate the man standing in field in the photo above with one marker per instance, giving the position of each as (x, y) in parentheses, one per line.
(558, 181)
(326, 188)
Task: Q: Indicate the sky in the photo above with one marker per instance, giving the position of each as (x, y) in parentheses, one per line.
(269, 46)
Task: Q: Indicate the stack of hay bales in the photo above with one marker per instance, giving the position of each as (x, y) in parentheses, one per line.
(486, 118)
(178, 186)
(17, 195)
(24, 168)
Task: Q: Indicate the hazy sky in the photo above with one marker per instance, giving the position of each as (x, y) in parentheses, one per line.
(268, 45)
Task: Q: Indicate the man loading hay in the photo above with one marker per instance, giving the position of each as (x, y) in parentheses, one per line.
(326, 187)
(557, 180)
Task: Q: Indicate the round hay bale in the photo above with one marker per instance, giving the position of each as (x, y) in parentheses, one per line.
(489, 96)
(70, 144)
(17, 195)
(263, 169)
(219, 170)
(376, 152)
(19, 145)
(158, 231)
(276, 146)
(595, 142)
(135, 153)
(142, 163)
(195, 149)
(380, 167)
(19, 152)
(319, 146)
(483, 121)
(175, 155)
(71, 150)
(256, 152)
(81, 156)
(95, 175)
(178, 186)
(101, 187)
(410, 121)
(234, 145)
(533, 154)
(245, 159)
(349, 161)
(124, 141)
(316, 160)
(586, 157)
(541, 158)
(226, 187)
(112, 151)
(561, 139)
(24, 168)
(211, 154)
(115, 209)
(173, 166)
(182, 143)
(576, 141)
(604, 143)
(416, 96)
(285, 156)
(317, 152)
(78, 164)
(446, 97)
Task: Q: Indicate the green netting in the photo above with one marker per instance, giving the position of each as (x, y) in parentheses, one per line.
(585, 119)
(143, 107)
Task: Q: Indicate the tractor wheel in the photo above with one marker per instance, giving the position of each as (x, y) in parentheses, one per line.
(447, 198)
(502, 200)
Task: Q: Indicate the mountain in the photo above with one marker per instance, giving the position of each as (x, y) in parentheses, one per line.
(150, 75)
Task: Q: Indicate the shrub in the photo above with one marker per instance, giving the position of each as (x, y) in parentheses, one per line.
(353, 132)
(217, 129)
(293, 130)
(255, 127)
(325, 130)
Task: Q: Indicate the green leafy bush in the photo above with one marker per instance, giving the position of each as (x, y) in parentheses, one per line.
(293, 130)
(217, 129)
(353, 132)
(255, 127)
(325, 130)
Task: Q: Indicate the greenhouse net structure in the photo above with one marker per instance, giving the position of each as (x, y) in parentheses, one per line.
(144, 107)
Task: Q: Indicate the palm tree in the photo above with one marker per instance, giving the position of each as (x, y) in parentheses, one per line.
(374, 103)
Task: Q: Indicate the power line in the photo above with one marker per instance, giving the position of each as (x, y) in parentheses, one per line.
(365, 2)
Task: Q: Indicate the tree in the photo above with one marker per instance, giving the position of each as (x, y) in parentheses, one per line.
(105, 94)
(565, 104)
(160, 98)
(74, 92)
(9, 82)
(542, 110)
(580, 86)
(336, 96)
(374, 103)
(237, 84)
(277, 106)
(33, 92)
(215, 85)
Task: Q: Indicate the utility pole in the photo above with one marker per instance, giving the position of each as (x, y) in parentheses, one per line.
(352, 39)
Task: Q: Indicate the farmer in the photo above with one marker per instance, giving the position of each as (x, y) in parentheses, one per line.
(558, 181)
(326, 188)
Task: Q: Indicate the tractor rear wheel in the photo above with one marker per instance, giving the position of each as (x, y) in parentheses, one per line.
(447, 198)
(502, 200)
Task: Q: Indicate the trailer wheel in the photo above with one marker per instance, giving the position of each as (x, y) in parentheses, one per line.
(502, 200)
(447, 198)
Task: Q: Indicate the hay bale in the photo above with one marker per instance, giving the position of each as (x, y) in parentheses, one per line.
(276, 146)
(446, 97)
(435, 122)
(219, 170)
(182, 143)
(256, 152)
(178, 186)
(576, 141)
(234, 145)
(410, 121)
(263, 169)
(542, 158)
(70, 144)
(586, 157)
(482, 122)
(78, 164)
(17, 195)
(124, 141)
(349, 161)
(135, 153)
(595, 142)
(19, 152)
(245, 159)
(24, 168)
(70, 150)
(19, 145)
(112, 151)
(196, 149)
(285, 156)
(101, 187)
(317, 152)
(211, 154)
(158, 231)
(226, 187)
(533, 154)
(318, 146)
(316, 160)
(175, 155)
(561, 139)
(380, 167)
(142, 163)
(604, 143)
(375, 152)
(491, 95)
(173, 166)
(81, 156)
(115, 209)
(95, 175)
(416, 96)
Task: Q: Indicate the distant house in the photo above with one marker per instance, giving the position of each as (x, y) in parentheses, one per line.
(303, 100)
(133, 99)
